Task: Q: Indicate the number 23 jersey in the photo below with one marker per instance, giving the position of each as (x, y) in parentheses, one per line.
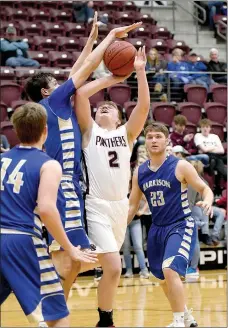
(166, 196)
(107, 158)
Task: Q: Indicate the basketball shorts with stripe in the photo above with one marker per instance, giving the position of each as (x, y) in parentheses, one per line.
(70, 204)
(171, 247)
(27, 270)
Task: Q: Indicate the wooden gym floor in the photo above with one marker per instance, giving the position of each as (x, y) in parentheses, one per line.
(139, 303)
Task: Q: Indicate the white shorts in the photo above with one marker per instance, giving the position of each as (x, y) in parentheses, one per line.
(107, 223)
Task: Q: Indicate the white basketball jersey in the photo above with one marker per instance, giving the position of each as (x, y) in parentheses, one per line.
(107, 158)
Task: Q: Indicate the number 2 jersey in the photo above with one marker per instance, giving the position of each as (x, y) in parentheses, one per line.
(20, 177)
(166, 196)
(107, 158)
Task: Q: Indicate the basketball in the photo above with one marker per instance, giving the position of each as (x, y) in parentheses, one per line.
(119, 58)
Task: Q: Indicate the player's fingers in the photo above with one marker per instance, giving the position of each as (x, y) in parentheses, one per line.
(95, 18)
(133, 26)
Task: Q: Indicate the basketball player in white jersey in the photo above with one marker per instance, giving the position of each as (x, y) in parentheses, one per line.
(107, 149)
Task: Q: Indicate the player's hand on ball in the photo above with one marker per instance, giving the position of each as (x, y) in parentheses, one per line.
(122, 32)
(140, 59)
(77, 255)
(94, 31)
(206, 207)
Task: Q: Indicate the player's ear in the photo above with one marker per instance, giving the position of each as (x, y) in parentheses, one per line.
(44, 92)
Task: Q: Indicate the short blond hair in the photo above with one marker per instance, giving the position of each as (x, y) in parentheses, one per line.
(29, 121)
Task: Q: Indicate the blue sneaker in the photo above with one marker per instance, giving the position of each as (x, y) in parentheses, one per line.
(192, 272)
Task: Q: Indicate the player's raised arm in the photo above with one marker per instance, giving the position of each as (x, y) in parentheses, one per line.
(185, 172)
(140, 113)
(135, 197)
(82, 104)
(50, 176)
(94, 59)
(88, 47)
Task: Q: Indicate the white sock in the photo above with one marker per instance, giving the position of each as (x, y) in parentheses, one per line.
(178, 317)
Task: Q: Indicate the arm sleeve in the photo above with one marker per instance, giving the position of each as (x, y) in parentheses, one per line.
(59, 100)
(197, 139)
(21, 45)
(7, 46)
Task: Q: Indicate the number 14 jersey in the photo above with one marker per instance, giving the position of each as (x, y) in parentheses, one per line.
(107, 158)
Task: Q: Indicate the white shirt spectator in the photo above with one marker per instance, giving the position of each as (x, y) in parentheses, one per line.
(212, 140)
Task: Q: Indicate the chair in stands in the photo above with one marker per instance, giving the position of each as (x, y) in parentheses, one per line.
(27, 4)
(119, 93)
(16, 14)
(129, 6)
(145, 18)
(45, 43)
(10, 92)
(136, 42)
(53, 29)
(218, 129)
(41, 56)
(7, 74)
(129, 106)
(60, 75)
(163, 112)
(144, 31)
(82, 42)
(97, 97)
(216, 112)
(158, 44)
(196, 94)
(17, 103)
(42, 5)
(59, 16)
(219, 93)
(8, 130)
(123, 17)
(75, 29)
(161, 32)
(68, 44)
(3, 111)
(191, 111)
(190, 128)
(30, 28)
(172, 44)
(112, 6)
(37, 15)
(23, 73)
(60, 59)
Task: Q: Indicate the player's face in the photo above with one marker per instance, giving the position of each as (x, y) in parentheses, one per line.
(107, 112)
(205, 130)
(156, 142)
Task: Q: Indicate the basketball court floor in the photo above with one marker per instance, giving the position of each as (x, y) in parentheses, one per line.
(139, 303)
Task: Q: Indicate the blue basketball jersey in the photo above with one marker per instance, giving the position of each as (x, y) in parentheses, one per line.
(20, 176)
(166, 196)
(64, 136)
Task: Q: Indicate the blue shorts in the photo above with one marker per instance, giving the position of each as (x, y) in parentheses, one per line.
(70, 204)
(171, 247)
(27, 270)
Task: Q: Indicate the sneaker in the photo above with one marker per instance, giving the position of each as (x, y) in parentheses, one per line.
(128, 274)
(144, 274)
(192, 272)
(97, 274)
(189, 320)
(99, 326)
(215, 240)
(206, 239)
(42, 324)
(176, 324)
